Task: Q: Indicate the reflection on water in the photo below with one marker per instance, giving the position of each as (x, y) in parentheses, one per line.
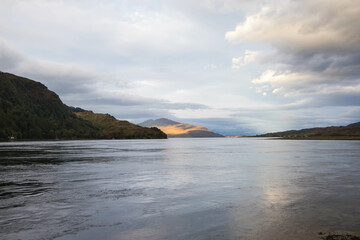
(179, 189)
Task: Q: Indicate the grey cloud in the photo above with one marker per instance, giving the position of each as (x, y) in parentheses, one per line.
(134, 114)
(169, 105)
(327, 100)
(352, 115)
(274, 120)
(317, 74)
(120, 98)
(316, 50)
(62, 78)
(344, 66)
(339, 99)
(9, 58)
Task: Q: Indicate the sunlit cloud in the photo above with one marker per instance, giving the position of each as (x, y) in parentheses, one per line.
(301, 26)
(249, 56)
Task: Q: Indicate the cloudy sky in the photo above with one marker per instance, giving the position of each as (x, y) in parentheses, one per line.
(234, 66)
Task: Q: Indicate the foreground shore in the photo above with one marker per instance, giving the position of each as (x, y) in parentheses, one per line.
(338, 236)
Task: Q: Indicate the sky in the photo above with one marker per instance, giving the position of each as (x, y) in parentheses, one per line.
(234, 66)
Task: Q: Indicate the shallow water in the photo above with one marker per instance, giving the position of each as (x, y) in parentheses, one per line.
(219, 188)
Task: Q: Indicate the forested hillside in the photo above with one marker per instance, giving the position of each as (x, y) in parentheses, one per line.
(110, 127)
(30, 111)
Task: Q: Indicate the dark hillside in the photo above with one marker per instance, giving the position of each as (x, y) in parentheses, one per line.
(110, 127)
(28, 110)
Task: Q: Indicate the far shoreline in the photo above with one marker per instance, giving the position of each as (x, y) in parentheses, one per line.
(314, 138)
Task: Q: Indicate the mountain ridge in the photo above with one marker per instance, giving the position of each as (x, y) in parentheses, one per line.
(175, 129)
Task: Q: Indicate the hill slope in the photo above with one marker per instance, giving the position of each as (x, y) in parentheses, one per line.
(176, 129)
(350, 131)
(110, 127)
(28, 110)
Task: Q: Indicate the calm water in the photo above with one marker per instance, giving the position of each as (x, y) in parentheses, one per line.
(179, 189)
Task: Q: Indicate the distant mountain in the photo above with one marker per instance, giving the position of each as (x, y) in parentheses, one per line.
(175, 129)
(28, 110)
(161, 122)
(347, 132)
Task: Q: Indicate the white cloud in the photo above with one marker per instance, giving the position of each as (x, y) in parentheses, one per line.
(211, 66)
(228, 6)
(109, 26)
(277, 79)
(303, 26)
(294, 84)
(249, 56)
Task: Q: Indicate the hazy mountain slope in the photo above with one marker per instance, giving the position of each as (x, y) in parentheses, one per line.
(176, 129)
(110, 127)
(351, 130)
(161, 122)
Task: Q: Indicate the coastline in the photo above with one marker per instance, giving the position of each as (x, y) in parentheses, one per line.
(321, 138)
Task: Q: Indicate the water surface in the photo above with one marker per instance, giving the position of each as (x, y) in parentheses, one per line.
(217, 188)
